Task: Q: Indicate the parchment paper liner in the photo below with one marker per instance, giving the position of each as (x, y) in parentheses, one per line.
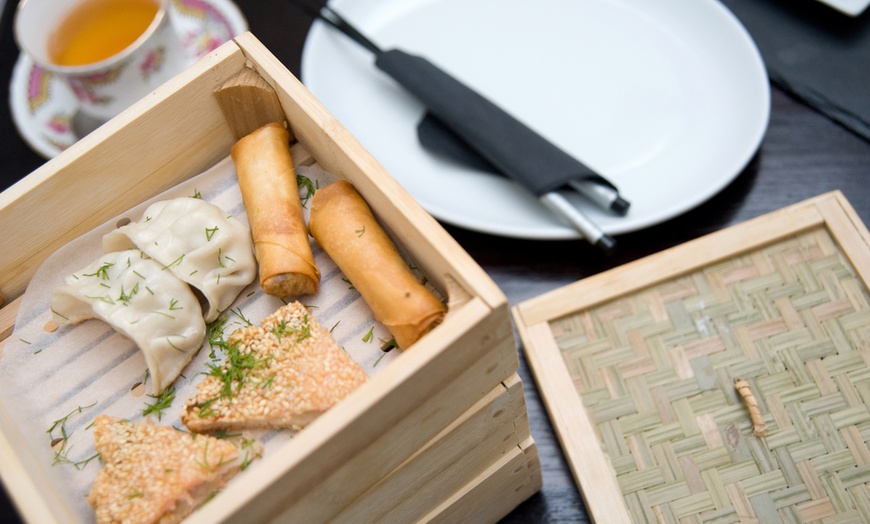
(45, 376)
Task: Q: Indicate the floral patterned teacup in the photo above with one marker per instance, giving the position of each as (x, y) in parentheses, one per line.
(107, 87)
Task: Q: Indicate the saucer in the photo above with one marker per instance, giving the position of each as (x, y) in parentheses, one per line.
(848, 7)
(43, 107)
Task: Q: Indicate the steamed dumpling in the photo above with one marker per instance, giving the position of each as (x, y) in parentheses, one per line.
(199, 243)
(139, 299)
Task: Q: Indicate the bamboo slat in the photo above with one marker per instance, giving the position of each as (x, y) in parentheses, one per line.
(654, 366)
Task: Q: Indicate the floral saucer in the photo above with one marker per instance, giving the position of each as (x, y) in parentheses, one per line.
(44, 108)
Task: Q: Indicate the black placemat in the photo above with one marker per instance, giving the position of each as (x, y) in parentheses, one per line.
(815, 52)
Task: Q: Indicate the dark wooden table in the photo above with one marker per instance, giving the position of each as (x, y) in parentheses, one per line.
(803, 154)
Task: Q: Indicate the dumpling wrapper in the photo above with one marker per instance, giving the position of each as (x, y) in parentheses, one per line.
(199, 243)
(139, 299)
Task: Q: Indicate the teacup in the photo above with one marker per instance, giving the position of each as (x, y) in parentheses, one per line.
(107, 70)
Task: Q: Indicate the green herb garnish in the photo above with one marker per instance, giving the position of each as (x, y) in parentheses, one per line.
(305, 183)
(161, 403)
(102, 272)
(232, 372)
(210, 231)
(175, 262)
(61, 456)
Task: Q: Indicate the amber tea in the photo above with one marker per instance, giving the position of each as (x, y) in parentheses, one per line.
(97, 29)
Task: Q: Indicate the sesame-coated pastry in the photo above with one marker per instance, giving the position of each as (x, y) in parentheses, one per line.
(158, 473)
(281, 374)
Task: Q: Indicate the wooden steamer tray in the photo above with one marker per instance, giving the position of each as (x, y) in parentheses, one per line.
(637, 368)
(449, 413)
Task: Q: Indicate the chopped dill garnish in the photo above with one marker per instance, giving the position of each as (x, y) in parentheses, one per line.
(279, 329)
(251, 450)
(135, 493)
(125, 297)
(205, 465)
(360, 232)
(61, 455)
(305, 183)
(175, 262)
(232, 372)
(102, 272)
(210, 231)
(268, 382)
(58, 314)
(302, 331)
(222, 434)
(173, 306)
(238, 313)
(26, 341)
(105, 298)
(196, 194)
(368, 337)
(61, 422)
(176, 348)
(205, 409)
(349, 283)
(161, 403)
(215, 335)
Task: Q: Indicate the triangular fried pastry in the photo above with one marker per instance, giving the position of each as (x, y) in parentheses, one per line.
(158, 473)
(283, 373)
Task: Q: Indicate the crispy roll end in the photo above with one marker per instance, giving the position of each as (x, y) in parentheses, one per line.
(267, 181)
(343, 224)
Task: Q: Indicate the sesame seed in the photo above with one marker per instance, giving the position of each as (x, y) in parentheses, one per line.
(155, 472)
(303, 372)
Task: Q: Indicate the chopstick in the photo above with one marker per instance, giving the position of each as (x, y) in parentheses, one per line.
(486, 128)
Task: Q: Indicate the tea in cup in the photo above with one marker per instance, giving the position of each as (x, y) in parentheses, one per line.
(111, 53)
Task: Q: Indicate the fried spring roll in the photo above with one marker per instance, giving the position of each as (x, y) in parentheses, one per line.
(344, 226)
(271, 197)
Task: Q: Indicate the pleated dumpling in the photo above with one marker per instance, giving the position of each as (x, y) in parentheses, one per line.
(199, 243)
(139, 299)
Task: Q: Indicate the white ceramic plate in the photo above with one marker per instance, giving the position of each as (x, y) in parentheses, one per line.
(668, 99)
(43, 106)
(849, 7)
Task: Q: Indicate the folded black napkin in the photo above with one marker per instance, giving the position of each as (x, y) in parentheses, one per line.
(815, 52)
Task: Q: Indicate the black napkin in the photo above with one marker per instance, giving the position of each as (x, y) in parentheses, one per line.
(818, 54)
(460, 119)
(438, 138)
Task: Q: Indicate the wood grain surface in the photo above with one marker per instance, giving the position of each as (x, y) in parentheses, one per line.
(803, 155)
